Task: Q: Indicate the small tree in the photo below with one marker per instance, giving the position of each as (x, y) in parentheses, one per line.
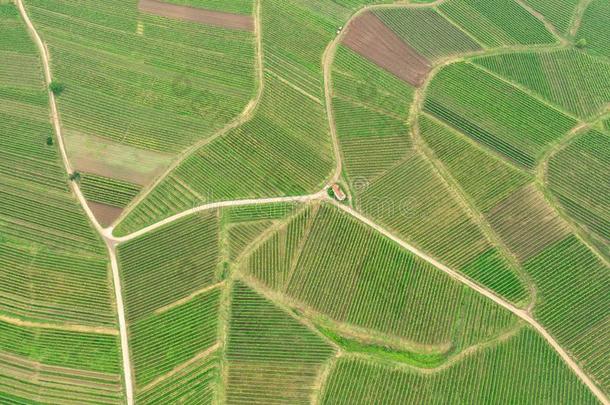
(49, 140)
(330, 192)
(581, 43)
(75, 176)
(57, 88)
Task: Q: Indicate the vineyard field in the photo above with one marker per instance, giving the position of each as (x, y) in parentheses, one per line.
(574, 302)
(484, 178)
(370, 108)
(233, 6)
(164, 340)
(489, 375)
(141, 98)
(491, 111)
(169, 264)
(294, 202)
(51, 286)
(595, 28)
(486, 21)
(284, 149)
(560, 13)
(578, 177)
(568, 78)
(428, 32)
(196, 383)
(272, 357)
(526, 223)
(379, 288)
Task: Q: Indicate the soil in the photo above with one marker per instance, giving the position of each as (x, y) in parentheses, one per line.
(105, 214)
(371, 38)
(207, 17)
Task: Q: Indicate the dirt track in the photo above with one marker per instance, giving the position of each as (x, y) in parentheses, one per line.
(371, 38)
(207, 17)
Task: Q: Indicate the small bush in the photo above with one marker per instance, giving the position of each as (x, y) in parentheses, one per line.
(49, 140)
(581, 43)
(75, 176)
(57, 88)
(330, 192)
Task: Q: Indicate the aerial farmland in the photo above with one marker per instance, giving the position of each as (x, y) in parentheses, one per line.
(304, 202)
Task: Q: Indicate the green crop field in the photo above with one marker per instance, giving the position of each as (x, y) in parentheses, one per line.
(578, 176)
(371, 107)
(381, 288)
(570, 79)
(487, 22)
(491, 376)
(429, 32)
(290, 202)
(560, 13)
(493, 113)
(595, 28)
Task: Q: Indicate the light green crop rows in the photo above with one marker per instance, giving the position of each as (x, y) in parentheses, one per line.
(558, 12)
(108, 191)
(140, 79)
(169, 264)
(339, 267)
(569, 78)
(574, 303)
(231, 6)
(595, 28)
(272, 357)
(579, 177)
(486, 179)
(523, 369)
(167, 339)
(489, 22)
(430, 33)
(495, 113)
(193, 384)
(370, 109)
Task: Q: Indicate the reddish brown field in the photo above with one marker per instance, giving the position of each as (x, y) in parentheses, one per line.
(371, 38)
(207, 17)
(105, 214)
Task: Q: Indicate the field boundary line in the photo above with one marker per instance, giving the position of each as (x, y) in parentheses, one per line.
(238, 121)
(523, 314)
(577, 16)
(547, 24)
(322, 378)
(189, 297)
(180, 367)
(220, 204)
(69, 327)
(293, 86)
(44, 55)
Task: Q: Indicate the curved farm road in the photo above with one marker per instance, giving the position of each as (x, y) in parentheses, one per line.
(221, 204)
(127, 371)
(111, 241)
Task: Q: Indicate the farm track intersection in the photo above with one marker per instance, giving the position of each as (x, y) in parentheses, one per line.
(112, 241)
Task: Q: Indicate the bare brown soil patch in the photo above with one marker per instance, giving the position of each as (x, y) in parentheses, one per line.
(105, 214)
(371, 38)
(207, 17)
